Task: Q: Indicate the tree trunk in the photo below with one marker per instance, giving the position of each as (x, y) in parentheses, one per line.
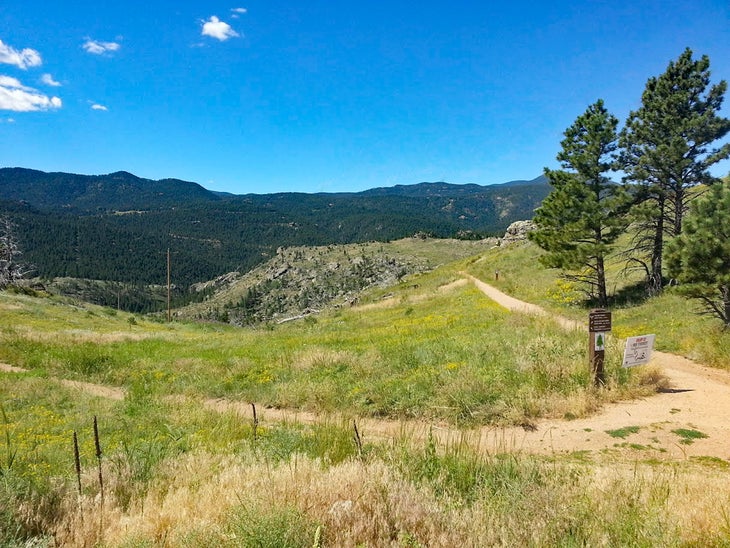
(602, 294)
(678, 210)
(655, 281)
(725, 292)
(601, 282)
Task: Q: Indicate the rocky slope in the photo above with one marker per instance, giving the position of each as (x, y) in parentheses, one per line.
(300, 281)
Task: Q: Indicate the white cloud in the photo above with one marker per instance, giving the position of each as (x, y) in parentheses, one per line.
(10, 82)
(237, 12)
(97, 106)
(20, 58)
(220, 30)
(98, 48)
(49, 81)
(19, 98)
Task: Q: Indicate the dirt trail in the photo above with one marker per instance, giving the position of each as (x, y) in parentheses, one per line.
(90, 388)
(698, 399)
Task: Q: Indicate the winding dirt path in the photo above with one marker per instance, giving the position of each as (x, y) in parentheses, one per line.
(100, 390)
(698, 400)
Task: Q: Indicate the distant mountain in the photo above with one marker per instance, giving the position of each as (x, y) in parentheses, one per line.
(442, 189)
(438, 189)
(117, 227)
(123, 191)
(541, 180)
(120, 191)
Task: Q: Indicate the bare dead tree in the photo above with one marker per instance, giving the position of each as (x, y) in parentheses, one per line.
(11, 269)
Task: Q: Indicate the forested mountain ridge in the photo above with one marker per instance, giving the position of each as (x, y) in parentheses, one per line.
(118, 227)
(119, 191)
(123, 191)
(446, 189)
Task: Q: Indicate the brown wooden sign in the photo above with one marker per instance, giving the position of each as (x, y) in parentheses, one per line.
(599, 321)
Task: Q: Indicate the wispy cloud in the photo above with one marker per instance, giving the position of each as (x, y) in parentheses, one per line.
(16, 97)
(20, 58)
(97, 106)
(99, 48)
(48, 80)
(220, 30)
(237, 12)
(10, 82)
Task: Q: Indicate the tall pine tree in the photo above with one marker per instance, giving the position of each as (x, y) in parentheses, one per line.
(700, 257)
(583, 215)
(666, 149)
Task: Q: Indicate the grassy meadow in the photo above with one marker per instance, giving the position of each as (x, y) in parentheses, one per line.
(174, 472)
(435, 350)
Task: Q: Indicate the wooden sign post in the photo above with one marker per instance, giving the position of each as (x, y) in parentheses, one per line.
(599, 323)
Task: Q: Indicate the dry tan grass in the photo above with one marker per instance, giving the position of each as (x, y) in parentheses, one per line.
(369, 504)
(392, 302)
(389, 302)
(356, 504)
(653, 376)
(96, 389)
(203, 489)
(76, 336)
(694, 498)
(453, 285)
(321, 357)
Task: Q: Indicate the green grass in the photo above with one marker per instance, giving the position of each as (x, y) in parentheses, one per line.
(689, 435)
(712, 462)
(624, 432)
(434, 354)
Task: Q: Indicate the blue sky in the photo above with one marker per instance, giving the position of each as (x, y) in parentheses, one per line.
(327, 95)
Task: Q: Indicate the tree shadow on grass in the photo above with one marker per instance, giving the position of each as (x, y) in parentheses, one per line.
(626, 297)
(630, 295)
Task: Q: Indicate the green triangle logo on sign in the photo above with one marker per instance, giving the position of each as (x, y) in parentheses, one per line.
(599, 342)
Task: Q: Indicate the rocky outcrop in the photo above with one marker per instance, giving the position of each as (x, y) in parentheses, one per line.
(300, 281)
(517, 231)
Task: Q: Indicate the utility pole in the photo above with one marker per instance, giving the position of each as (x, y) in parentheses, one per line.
(169, 312)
